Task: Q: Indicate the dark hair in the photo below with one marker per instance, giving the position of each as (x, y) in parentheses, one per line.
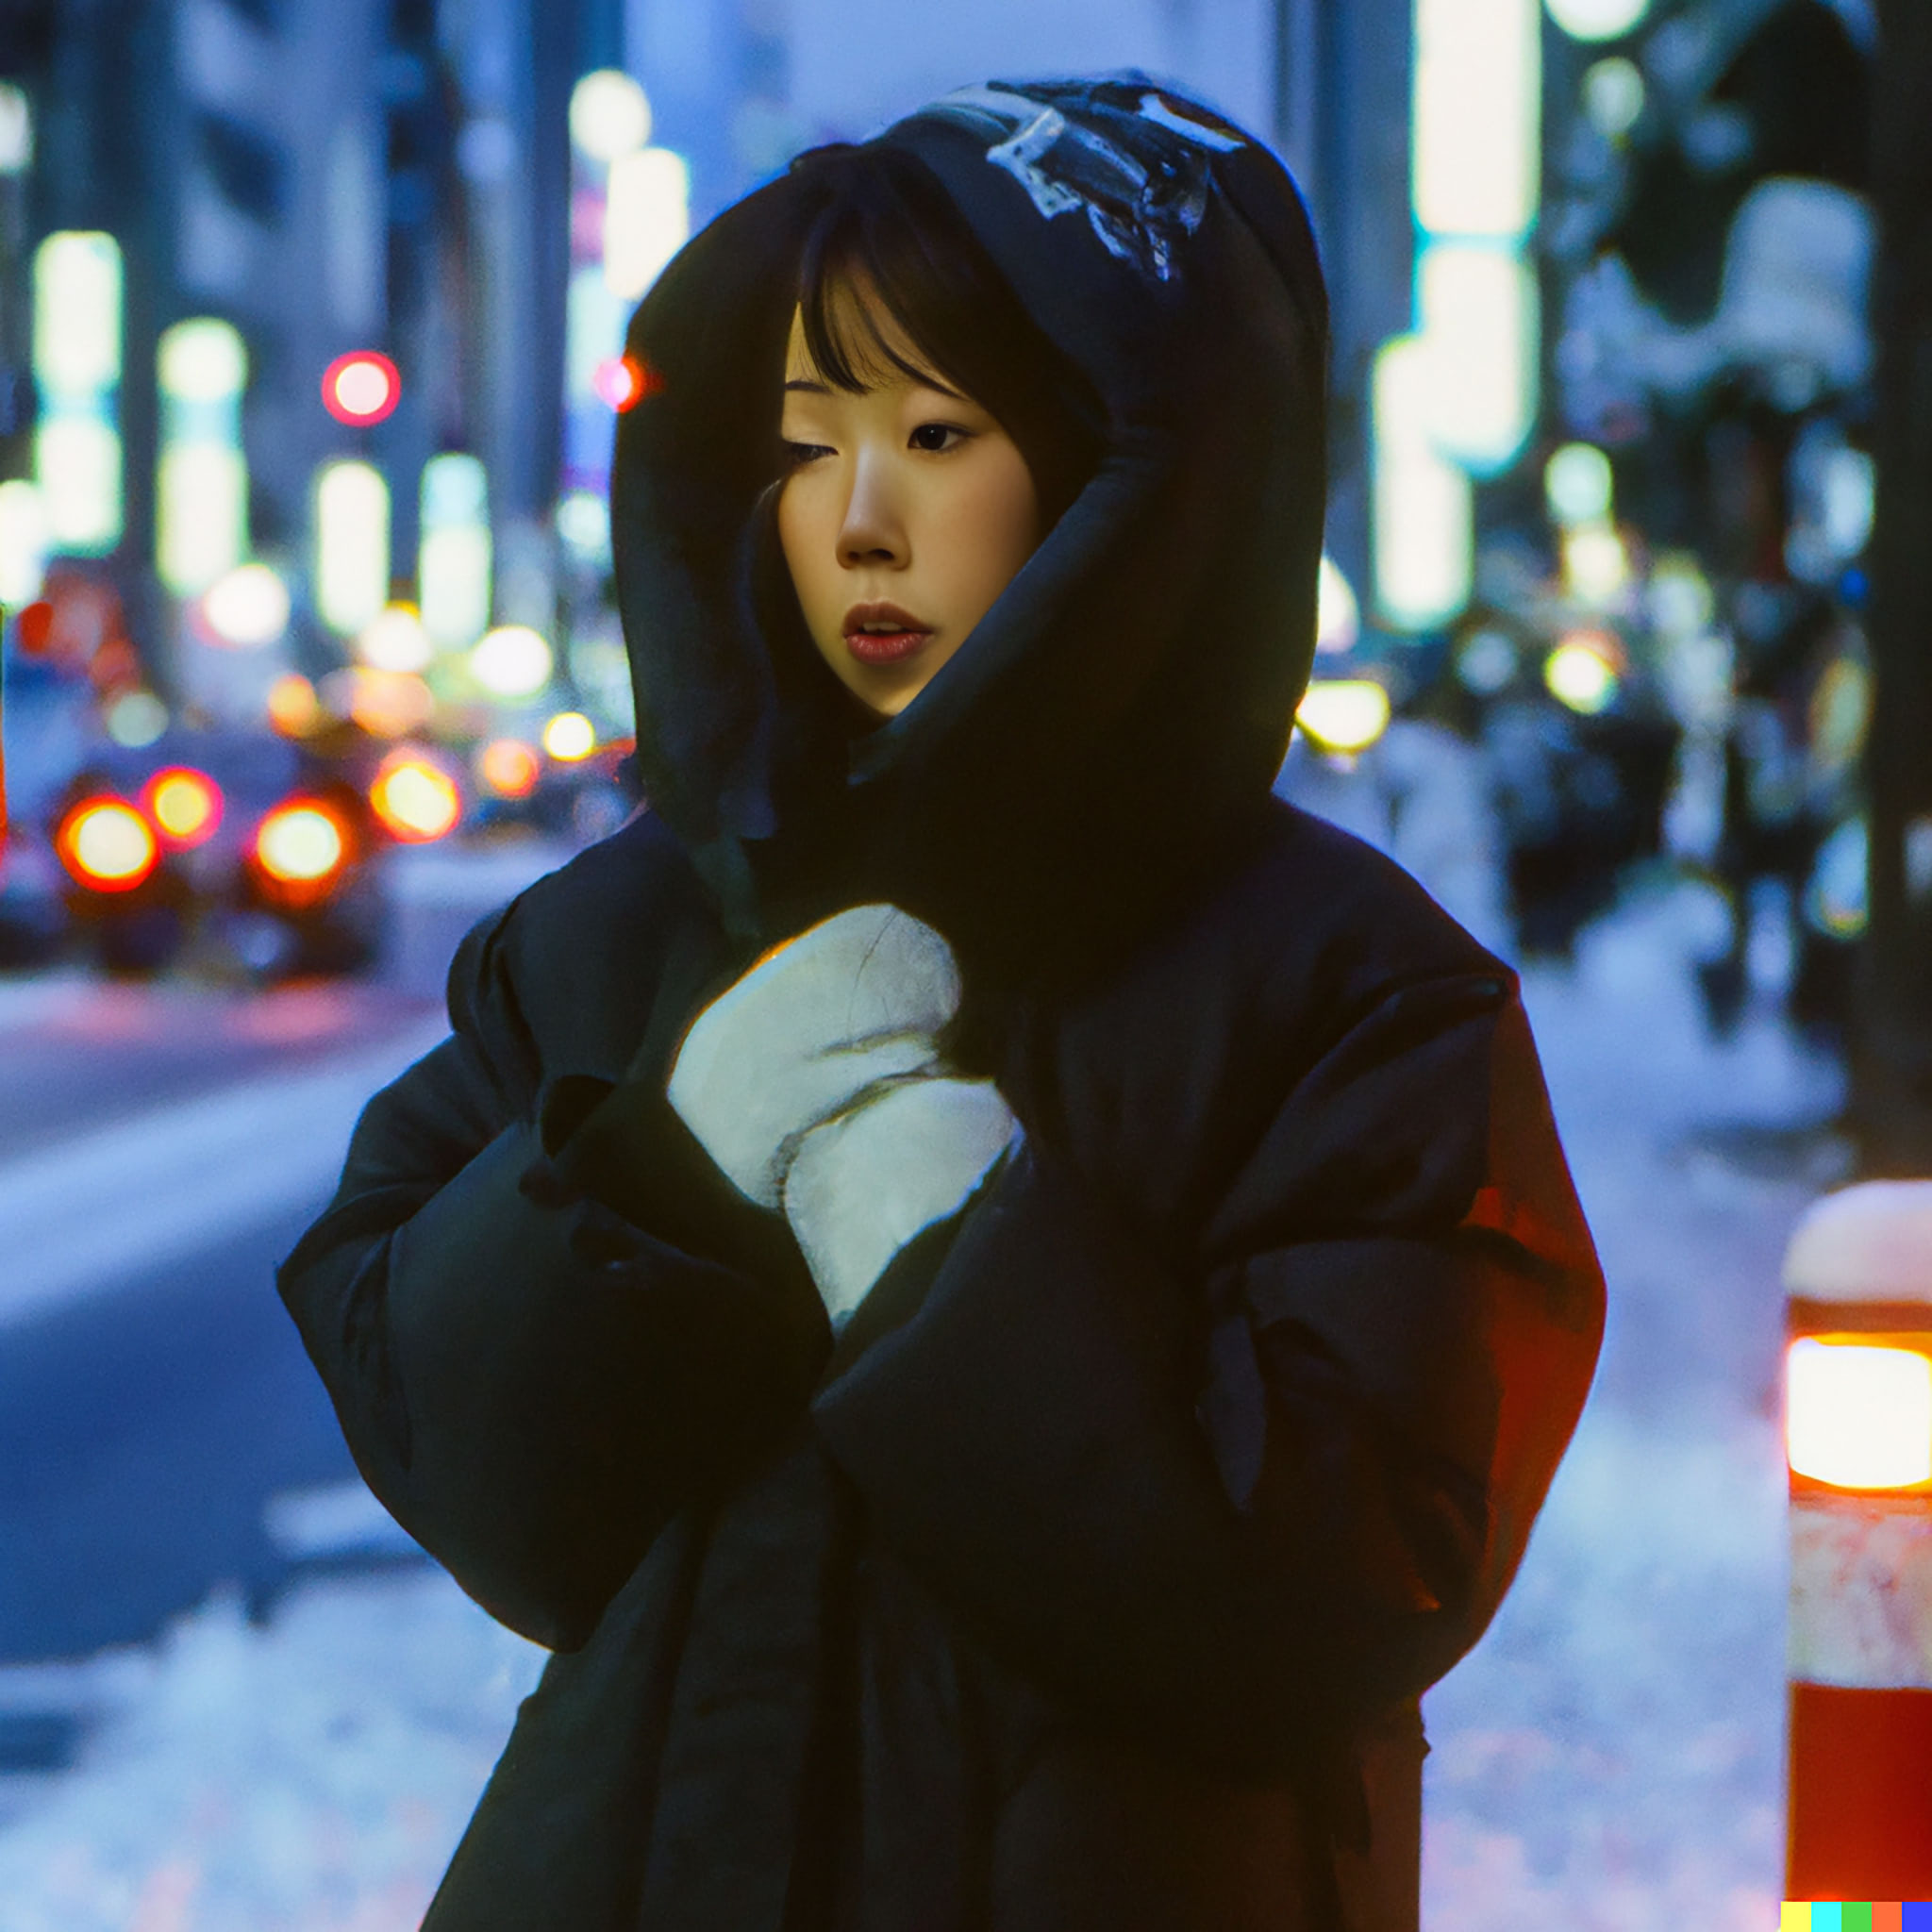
(885, 223)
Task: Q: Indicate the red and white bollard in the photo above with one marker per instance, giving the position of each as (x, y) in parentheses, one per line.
(1858, 1440)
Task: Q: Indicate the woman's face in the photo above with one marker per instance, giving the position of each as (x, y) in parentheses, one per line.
(906, 511)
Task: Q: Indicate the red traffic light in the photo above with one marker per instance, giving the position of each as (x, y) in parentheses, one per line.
(361, 387)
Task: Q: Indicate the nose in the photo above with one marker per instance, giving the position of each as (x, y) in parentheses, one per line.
(872, 529)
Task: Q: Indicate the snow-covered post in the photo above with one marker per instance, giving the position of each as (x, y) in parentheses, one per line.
(1858, 1440)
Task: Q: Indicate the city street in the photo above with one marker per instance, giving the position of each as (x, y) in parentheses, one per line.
(160, 1149)
(1609, 1758)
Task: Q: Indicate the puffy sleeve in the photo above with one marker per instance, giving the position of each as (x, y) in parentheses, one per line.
(1229, 1491)
(544, 1320)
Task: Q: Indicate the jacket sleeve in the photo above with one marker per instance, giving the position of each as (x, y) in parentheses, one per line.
(1231, 1499)
(544, 1321)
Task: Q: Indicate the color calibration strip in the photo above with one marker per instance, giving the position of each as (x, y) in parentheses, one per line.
(1909, 1916)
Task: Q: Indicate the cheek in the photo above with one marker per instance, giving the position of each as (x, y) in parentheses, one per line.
(1000, 516)
(797, 529)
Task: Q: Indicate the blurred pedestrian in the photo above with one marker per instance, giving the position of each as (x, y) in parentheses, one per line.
(1003, 1299)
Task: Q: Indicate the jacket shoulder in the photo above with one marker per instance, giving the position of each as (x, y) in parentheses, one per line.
(573, 961)
(1310, 890)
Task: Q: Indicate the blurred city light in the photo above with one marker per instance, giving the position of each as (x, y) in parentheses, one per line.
(1479, 320)
(294, 708)
(1344, 715)
(619, 382)
(583, 521)
(1614, 96)
(106, 845)
(395, 639)
(201, 514)
(136, 718)
(23, 542)
(202, 361)
(77, 315)
(646, 218)
(415, 798)
(1859, 1417)
(1338, 615)
(610, 115)
(16, 129)
(1423, 510)
(363, 387)
(351, 544)
(512, 662)
(455, 560)
(1598, 19)
(1579, 485)
(569, 737)
(78, 467)
(1477, 131)
(1596, 564)
(509, 767)
(76, 355)
(247, 607)
(300, 843)
(184, 804)
(385, 703)
(1581, 672)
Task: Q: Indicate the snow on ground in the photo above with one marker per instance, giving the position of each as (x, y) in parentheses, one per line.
(310, 1775)
(1608, 1758)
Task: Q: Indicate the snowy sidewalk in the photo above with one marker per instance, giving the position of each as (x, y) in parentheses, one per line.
(1607, 1761)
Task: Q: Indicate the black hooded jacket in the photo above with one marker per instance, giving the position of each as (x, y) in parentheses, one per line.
(1090, 1580)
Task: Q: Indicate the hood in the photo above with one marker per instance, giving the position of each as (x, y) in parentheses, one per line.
(1131, 693)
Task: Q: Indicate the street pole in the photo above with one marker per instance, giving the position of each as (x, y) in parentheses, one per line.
(1893, 1043)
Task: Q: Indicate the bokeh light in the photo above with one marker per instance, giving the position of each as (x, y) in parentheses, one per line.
(300, 843)
(1598, 19)
(248, 607)
(294, 708)
(106, 845)
(1343, 714)
(512, 662)
(360, 388)
(610, 115)
(1581, 672)
(509, 767)
(184, 804)
(415, 798)
(569, 737)
(394, 640)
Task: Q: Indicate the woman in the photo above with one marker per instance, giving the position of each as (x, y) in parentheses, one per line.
(1002, 1404)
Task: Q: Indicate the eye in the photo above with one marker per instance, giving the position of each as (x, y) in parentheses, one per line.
(798, 454)
(937, 438)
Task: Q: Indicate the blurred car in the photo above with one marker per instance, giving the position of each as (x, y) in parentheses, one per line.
(237, 851)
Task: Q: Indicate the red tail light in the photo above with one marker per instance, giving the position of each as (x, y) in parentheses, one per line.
(415, 798)
(184, 804)
(106, 845)
(300, 850)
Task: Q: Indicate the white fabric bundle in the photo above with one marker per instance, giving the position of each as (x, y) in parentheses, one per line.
(817, 1085)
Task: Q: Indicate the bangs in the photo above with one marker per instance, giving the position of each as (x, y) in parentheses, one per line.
(885, 230)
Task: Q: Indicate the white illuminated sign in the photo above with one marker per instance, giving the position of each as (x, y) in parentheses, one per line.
(454, 560)
(351, 544)
(1421, 501)
(1479, 319)
(646, 218)
(1477, 136)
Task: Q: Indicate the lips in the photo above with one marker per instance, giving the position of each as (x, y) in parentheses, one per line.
(881, 633)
